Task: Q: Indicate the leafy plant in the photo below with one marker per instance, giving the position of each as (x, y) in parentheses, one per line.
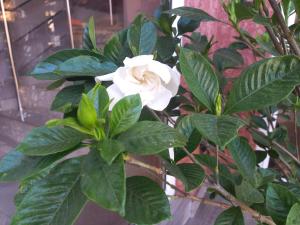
(54, 189)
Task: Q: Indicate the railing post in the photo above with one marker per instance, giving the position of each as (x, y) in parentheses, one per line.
(11, 57)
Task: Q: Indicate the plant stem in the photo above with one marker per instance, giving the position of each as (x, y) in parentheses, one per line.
(296, 133)
(284, 27)
(217, 166)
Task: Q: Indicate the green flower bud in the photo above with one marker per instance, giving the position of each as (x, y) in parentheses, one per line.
(86, 112)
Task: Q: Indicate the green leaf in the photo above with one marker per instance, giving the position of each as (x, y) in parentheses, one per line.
(294, 215)
(110, 149)
(84, 65)
(125, 113)
(55, 84)
(231, 216)
(117, 49)
(67, 98)
(258, 85)
(86, 113)
(219, 129)
(89, 37)
(244, 157)
(279, 202)
(191, 175)
(225, 58)
(69, 122)
(149, 137)
(297, 6)
(146, 202)
(200, 77)
(103, 183)
(15, 166)
(248, 194)
(55, 200)
(165, 47)
(142, 36)
(45, 141)
(46, 70)
(185, 25)
(100, 98)
(192, 13)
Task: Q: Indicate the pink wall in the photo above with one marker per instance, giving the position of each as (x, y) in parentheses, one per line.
(223, 34)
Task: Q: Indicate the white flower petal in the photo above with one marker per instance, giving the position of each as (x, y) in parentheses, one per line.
(115, 94)
(160, 100)
(106, 77)
(162, 70)
(138, 60)
(173, 85)
(124, 82)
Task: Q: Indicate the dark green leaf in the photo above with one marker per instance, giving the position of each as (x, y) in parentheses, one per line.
(56, 84)
(244, 157)
(125, 113)
(45, 141)
(279, 202)
(89, 37)
(45, 70)
(110, 149)
(219, 129)
(297, 6)
(100, 98)
(258, 85)
(117, 49)
(231, 216)
(149, 137)
(146, 202)
(165, 47)
(294, 215)
(248, 194)
(200, 77)
(185, 25)
(225, 58)
(55, 200)
(142, 36)
(103, 183)
(192, 13)
(67, 98)
(191, 175)
(15, 165)
(84, 65)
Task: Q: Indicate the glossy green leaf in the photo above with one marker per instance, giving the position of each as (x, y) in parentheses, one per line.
(67, 98)
(86, 113)
(149, 137)
(15, 165)
(55, 84)
(103, 183)
(192, 13)
(185, 25)
(55, 200)
(46, 141)
(231, 216)
(244, 157)
(84, 65)
(258, 85)
(294, 215)
(117, 49)
(219, 129)
(200, 77)
(100, 98)
(142, 36)
(248, 194)
(146, 202)
(190, 174)
(279, 202)
(125, 113)
(46, 70)
(110, 149)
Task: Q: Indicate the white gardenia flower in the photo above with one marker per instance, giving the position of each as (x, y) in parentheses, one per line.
(156, 82)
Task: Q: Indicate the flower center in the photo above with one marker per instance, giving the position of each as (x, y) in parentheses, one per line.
(145, 78)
